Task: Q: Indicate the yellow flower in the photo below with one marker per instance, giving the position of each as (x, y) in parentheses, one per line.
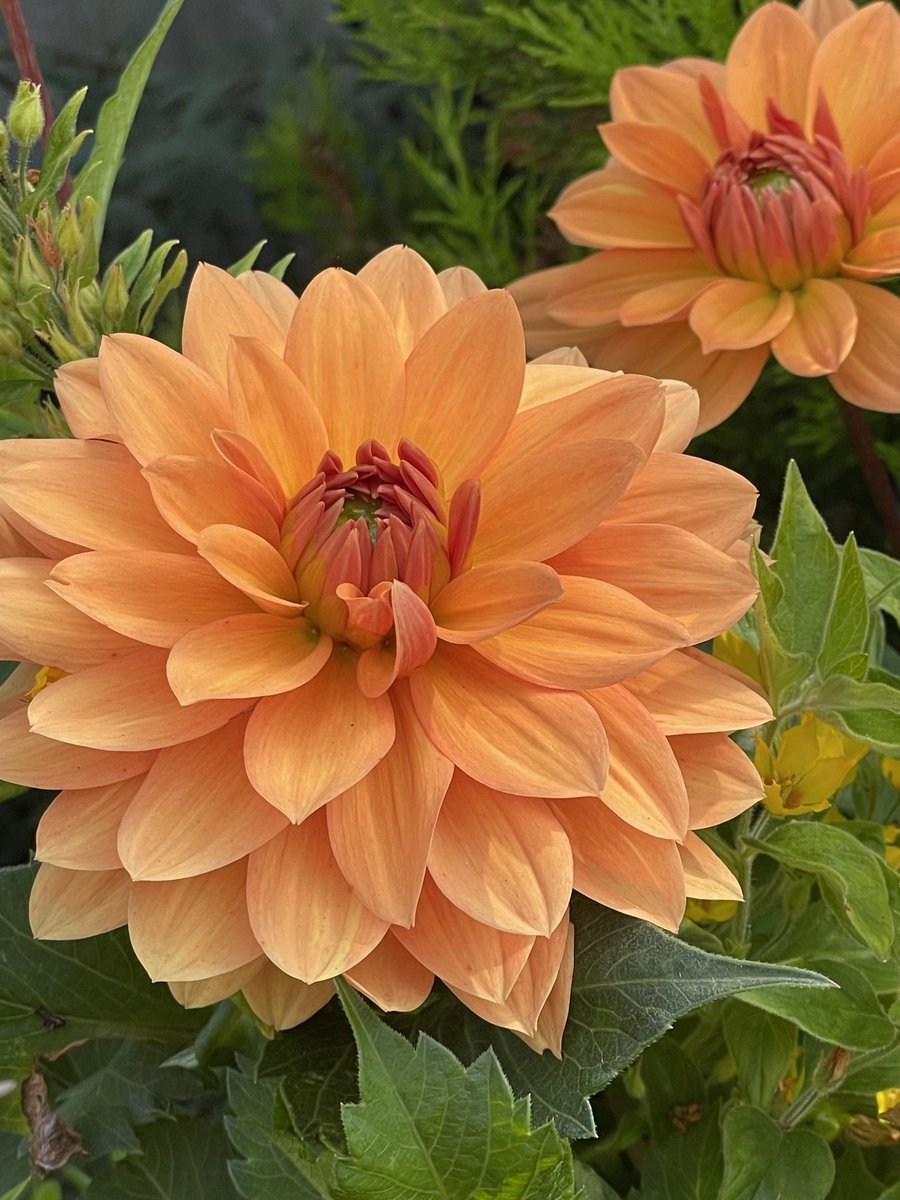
(710, 910)
(891, 847)
(887, 1101)
(890, 769)
(812, 761)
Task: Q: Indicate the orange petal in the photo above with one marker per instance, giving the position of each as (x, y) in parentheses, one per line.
(551, 1022)
(879, 253)
(218, 309)
(414, 640)
(409, 290)
(466, 373)
(196, 810)
(822, 332)
(458, 284)
(491, 597)
(507, 734)
(39, 762)
(198, 993)
(145, 385)
(770, 59)
(596, 635)
(193, 493)
(381, 828)
(192, 928)
(621, 867)
(81, 399)
(867, 375)
(305, 747)
(124, 705)
(304, 912)
(691, 692)
(80, 828)
(823, 15)
(502, 859)
(76, 904)
(681, 416)
(274, 297)
(283, 1002)
(343, 347)
(253, 565)
(151, 596)
(544, 333)
(657, 153)
(666, 302)
(391, 977)
(464, 953)
(720, 778)
(737, 314)
(727, 382)
(623, 209)
(254, 654)
(664, 97)
(705, 875)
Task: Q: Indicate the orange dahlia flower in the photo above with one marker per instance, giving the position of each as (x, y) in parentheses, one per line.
(746, 208)
(369, 643)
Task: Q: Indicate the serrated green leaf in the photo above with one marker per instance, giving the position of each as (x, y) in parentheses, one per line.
(854, 871)
(765, 1162)
(178, 1160)
(428, 1127)
(864, 710)
(246, 261)
(688, 1167)
(848, 621)
(761, 1045)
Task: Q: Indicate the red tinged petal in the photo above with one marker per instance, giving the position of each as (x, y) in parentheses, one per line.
(691, 692)
(304, 912)
(253, 565)
(40, 762)
(867, 375)
(218, 309)
(738, 314)
(508, 734)
(192, 928)
(409, 290)
(720, 778)
(305, 747)
(80, 828)
(81, 399)
(770, 60)
(822, 332)
(491, 597)
(414, 640)
(196, 810)
(193, 493)
(391, 977)
(504, 860)
(283, 1002)
(705, 875)
(381, 828)
(76, 904)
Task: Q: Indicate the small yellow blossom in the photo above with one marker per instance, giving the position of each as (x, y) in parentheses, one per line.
(731, 648)
(811, 762)
(891, 846)
(44, 677)
(890, 769)
(888, 1103)
(710, 910)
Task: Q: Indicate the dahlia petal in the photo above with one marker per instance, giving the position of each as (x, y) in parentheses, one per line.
(720, 778)
(458, 284)
(275, 298)
(193, 493)
(80, 828)
(359, 393)
(622, 210)
(464, 953)
(657, 153)
(726, 383)
(666, 302)
(668, 98)
(126, 704)
(673, 571)
(414, 640)
(253, 565)
(622, 867)
(81, 399)
(12, 543)
(75, 904)
(770, 59)
(196, 810)
(198, 993)
(184, 929)
(691, 692)
(253, 654)
(391, 977)
(14, 451)
(305, 747)
(594, 636)
(706, 876)
(508, 734)
(551, 1022)
(681, 417)
(876, 255)
(823, 15)
(502, 859)
(145, 385)
(737, 314)
(16, 685)
(305, 914)
(218, 308)
(381, 828)
(147, 595)
(283, 1002)
(491, 597)
(867, 375)
(274, 410)
(466, 373)
(409, 290)
(822, 332)
(40, 762)
(42, 628)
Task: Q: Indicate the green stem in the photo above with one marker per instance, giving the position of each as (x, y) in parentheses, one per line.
(800, 1108)
(745, 878)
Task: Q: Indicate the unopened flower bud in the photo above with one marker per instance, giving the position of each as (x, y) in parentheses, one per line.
(114, 294)
(30, 270)
(832, 1068)
(89, 298)
(69, 238)
(10, 342)
(82, 331)
(64, 349)
(26, 113)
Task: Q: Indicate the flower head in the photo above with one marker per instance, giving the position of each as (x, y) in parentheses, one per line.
(811, 762)
(747, 208)
(371, 644)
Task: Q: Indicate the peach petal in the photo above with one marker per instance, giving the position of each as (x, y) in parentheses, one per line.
(31, 541)
(252, 564)
(738, 314)
(145, 385)
(508, 734)
(622, 867)
(464, 953)
(16, 685)
(665, 302)
(40, 762)
(305, 747)
(681, 417)
(283, 1002)
(867, 375)
(727, 382)
(596, 635)
(458, 284)
(381, 828)
(199, 993)
(822, 332)
(622, 209)
(876, 255)
(720, 778)
(196, 810)
(81, 399)
(80, 828)
(657, 153)
(414, 640)
(706, 876)
(551, 1022)
(184, 929)
(12, 543)
(547, 379)
(409, 290)
(147, 595)
(491, 597)
(359, 393)
(124, 705)
(663, 97)
(691, 692)
(544, 333)
(770, 59)
(823, 15)
(391, 977)
(253, 654)
(304, 912)
(275, 298)
(502, 859)
(14, 451)
(193, 493)
(75, 904)
(218, 308)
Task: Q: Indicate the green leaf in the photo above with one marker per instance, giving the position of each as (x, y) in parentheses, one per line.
(882, 575)
(853, 1180)
(279, 268)
(762, 1046)
(867, 711)
(133, 257)
(178, 1160)
(246, 261)
(848, 622)
(764, 1162)
(872, 1075)
(819, 929)
(590, 1185)
(851, 869)
(97, 176)
(15, 1172)
(428, 1127)
(62, 145)
(689, 1166)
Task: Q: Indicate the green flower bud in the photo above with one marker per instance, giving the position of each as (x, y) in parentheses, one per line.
(30, 270)
(83, 333)
(4, 138)
(114, 295)
(89, 298)
(26, 113)
(69, 238)
(10, 342)
(65, 350)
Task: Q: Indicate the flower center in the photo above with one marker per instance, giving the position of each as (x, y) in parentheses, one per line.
(773, 179)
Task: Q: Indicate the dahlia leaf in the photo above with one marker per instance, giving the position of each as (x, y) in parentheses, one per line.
(761, 1159)
(428, 1127)
(178, 1160)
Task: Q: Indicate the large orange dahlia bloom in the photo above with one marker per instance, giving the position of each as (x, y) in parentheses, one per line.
(747, 207)
(368, 643)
